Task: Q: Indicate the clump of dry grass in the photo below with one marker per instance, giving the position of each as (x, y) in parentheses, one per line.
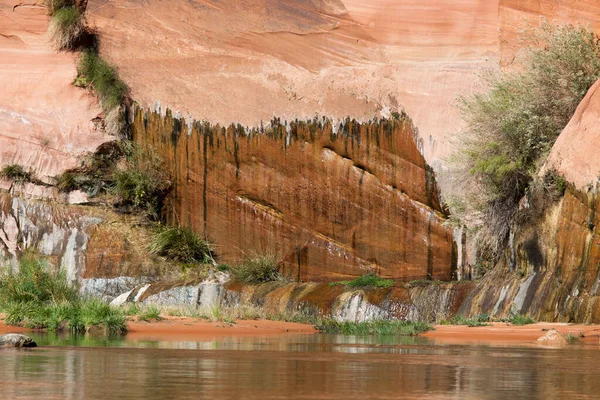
(67, 24)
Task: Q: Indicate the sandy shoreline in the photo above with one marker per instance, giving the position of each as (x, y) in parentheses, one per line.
(499, 333)
(191, 329)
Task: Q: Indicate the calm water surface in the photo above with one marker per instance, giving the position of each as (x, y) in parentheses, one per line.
(295, 367)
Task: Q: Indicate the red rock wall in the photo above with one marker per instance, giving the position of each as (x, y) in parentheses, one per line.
(514, 14)
(554, 274)
(334, 206)
(46, 123)
(575, 152)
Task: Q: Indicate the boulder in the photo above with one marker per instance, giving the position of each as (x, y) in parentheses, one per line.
(16, 340)
(552, 337)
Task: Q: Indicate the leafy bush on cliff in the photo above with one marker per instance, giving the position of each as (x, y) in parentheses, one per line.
(258, 269)
(142, 182)
(37, 297)
(511, 127)
(66, 26)
(182, 245)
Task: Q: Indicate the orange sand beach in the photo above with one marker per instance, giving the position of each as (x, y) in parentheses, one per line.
(190, 329)
(499, 333)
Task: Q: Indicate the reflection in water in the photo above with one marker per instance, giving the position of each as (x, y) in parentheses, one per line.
(304, 366)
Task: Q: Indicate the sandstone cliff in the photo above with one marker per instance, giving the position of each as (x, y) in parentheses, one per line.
(245, 61)
(551, 270)
(45, 122)
(334, 201)
(575, 153)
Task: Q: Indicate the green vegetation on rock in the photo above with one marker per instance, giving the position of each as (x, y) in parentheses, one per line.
(142, 183)
(260, 268)
(511, 127)
(381, 327)
(367, 281)
(182, 245)
(16, 173)
(67, 24)
(103, 78)
(37, 297)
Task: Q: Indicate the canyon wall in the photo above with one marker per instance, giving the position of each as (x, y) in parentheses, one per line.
(422, 301)
(335, 201)
(45, 122)
(552, 269)
(296, 58)
(575, 153)
(102, 252)
(514, 13)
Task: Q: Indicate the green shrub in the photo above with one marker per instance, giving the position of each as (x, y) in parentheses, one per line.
(476, 321)
(36, 297)
(149, 313)
(143, 182)
(35, 282)
(367, 281)
(16, 173)
(382, 327)
(66, 26)
(103, 78)
(257, 269)
(182, 245)
(511, 127)
(519, 319)
(571, 338)
(56, 5)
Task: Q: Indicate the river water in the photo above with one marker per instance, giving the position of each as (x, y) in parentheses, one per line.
(295, 367)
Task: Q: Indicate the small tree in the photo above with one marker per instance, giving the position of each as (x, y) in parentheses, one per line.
(511, 127)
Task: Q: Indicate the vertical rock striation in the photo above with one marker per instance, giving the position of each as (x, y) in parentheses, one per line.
(335, 201)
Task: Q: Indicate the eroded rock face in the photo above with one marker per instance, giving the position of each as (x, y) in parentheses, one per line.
(95, 249)
(554, 275)
(45, 122)
(422, 302)
(333, 201)
(16, 340)
(245, 61)
(575, 153)
(513, 14)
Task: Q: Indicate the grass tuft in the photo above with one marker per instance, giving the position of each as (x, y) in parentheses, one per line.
(149, 313)
(66, 26)
(37, 297)
(366, 281)
(16, 173)
(182, 245)
(476, 321)
(103, 78)
(382, 328)
(257, 269)
(519, 320)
